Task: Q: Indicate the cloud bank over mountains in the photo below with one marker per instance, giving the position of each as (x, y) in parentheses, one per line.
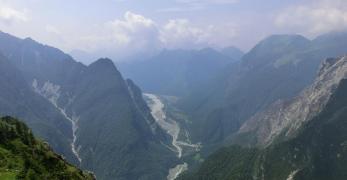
(314, 18)
(142, 35)
(128, 28)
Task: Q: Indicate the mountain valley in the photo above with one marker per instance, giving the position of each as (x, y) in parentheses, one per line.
(276, 112)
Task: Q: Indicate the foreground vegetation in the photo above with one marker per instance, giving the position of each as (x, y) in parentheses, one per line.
(24, 157)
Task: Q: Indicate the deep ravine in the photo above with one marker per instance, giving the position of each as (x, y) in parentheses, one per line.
(172, 128)
(74, 122)
(51, 92)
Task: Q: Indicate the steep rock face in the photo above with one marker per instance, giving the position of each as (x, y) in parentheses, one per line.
(142, 107)
(318, 151)
(284, 117)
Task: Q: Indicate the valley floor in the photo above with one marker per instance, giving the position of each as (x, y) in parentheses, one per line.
(172, 128)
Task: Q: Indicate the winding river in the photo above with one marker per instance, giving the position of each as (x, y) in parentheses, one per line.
(172, 128)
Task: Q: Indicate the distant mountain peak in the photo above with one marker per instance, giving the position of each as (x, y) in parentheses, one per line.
(103, 62)
(233, 52)
(104, 68)
(286, 37)
(208, 49)
(30, 39)
(272, 48)
(284, 40)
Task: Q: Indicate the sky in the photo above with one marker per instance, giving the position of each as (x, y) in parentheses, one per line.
(120, 29)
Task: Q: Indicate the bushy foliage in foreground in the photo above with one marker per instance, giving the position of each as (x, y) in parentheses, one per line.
(24, 157)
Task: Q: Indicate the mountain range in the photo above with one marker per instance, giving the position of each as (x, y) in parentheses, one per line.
(275, 112)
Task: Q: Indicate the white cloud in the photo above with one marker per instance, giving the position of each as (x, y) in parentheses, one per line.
(181, 33)
(316, 18)
(120, 38)
(135, 30)
(136, 34)
(9, 15)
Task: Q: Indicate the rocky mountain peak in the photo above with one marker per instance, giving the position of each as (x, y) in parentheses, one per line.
(103, 66)
(103, 62)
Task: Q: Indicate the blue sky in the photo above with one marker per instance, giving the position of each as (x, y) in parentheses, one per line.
(121, 28)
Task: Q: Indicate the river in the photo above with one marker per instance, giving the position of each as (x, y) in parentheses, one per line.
(172, 128)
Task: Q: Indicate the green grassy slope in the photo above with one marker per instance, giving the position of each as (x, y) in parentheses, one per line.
(24, 157)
